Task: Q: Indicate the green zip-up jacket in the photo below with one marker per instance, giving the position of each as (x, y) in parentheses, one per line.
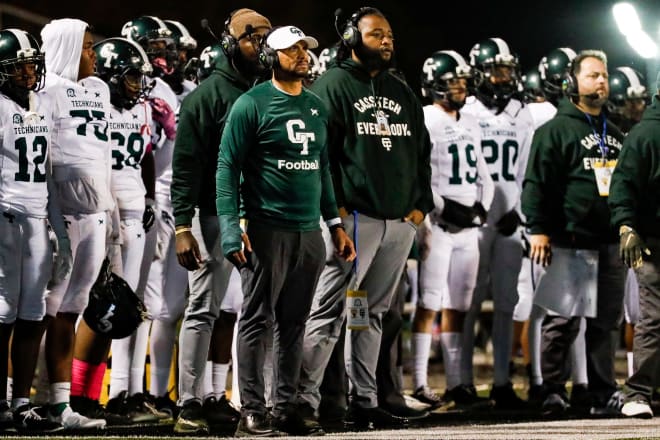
(379, 148)
(202, 119)
(635, 192)
(560, 196)
(278, 144)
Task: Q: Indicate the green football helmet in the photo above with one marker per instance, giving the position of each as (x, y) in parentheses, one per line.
(485, 57)
(438, 70)
(626, 83)
(119, 61)
(182, 38)
(326, 58)
(532, 86)
(157, 41)
(207, 60)
(554, 68)
(17, 49)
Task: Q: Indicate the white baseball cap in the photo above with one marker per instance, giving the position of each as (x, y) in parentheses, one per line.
(286, 36)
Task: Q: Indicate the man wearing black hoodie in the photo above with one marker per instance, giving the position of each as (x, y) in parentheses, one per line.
(635, 206)
(379, 151)
(202, 119)
(564, 199)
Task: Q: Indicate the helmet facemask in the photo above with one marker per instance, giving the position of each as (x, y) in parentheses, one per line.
(21, 75)
(500, 83)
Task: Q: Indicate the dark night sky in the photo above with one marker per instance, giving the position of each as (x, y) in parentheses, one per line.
(531, 30)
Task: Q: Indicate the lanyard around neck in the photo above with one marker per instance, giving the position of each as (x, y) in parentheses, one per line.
(601, 141)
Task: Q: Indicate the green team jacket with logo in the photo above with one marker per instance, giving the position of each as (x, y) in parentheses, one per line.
(560, 196)
(202, 119)
(635, 192)
(380, 169)
(276, 143)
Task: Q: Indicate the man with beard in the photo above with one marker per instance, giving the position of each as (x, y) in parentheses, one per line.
(564, 199)
(202, 118)
(273, 157)
(379, 152)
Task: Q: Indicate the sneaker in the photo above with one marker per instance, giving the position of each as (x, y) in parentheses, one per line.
(166, 405)
(146, 403)
(637, 408)
(92, 409)
(506, 398)
(220, 411)
(612, 408)
(580, 398)
(70, 419)
(554, 405)
(426, 395)
(131, 409)
(27, 419)
(191, 420)
(465, 396)
(6, 417)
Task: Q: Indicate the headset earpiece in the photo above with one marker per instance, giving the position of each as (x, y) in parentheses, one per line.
(267, 55)
(569, 85)
(227, 41)
(351, 35)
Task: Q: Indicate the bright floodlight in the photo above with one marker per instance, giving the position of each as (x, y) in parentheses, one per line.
(626, 18)
(643, 44)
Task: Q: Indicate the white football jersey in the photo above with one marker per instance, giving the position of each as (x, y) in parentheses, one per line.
(164, 148)
(505, 143)
(458, 169)
(130, 136)
(541, 112)
(80, 145)
(25, 139)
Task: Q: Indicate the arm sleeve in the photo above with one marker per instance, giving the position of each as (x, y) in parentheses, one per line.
(188, 160)
(328, 203)
(239, 134)
(541, 180)
(631, 171)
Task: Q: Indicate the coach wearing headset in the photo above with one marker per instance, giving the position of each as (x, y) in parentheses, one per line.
(274, 153)
(201, 123)
(379, 152)
(564, 199)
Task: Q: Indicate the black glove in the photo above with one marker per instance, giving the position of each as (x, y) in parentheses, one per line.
(148, 218)
(480, 212)
(631, 247)
(508, 223)
(458, 214)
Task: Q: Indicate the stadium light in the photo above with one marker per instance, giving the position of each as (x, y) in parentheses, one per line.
(627, 20)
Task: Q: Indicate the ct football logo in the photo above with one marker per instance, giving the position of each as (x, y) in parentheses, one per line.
(18, 119)
(108, 52)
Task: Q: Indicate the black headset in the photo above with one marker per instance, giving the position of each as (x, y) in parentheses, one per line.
(569, 84)
(351, 35)
(267, 55)
(228, 43)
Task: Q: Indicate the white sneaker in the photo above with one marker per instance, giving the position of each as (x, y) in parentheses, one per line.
(72, 420)
(637, 408)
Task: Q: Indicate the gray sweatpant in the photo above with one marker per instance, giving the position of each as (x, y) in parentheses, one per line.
(207, 286)
(383, 247)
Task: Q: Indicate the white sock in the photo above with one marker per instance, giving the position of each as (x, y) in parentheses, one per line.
(220, 372)
(631, 365)
(579, 356)
(10, 388)
(163, 335)
(421, 347)
(19, 401)
(502, 343)
(139, 358)
(120, 350)
(451, 357)
(60, 392)
(534, 338)
(207, 385)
